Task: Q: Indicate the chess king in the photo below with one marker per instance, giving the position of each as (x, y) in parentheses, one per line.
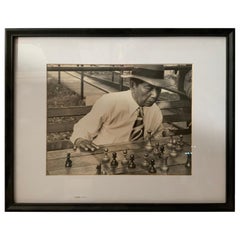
(124, 116)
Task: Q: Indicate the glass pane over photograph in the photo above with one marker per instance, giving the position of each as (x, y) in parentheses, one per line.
(119, 119)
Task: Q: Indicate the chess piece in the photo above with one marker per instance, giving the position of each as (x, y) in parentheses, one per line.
(106, 158)
(161, 151)
(162, 148)
(164, 168)
(131, 163)
(104, 172)
(99, 169)
(181, 140)
(114, 162)
(148, 145)
(124, 161)
(170, 143)
(68, 162)
(173, 153)
(152, 168)
(189, 160)
(156, 150)
(145, 163)
(174, 143)
(178, 147)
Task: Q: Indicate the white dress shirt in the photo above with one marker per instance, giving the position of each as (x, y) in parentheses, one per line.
(112, 117)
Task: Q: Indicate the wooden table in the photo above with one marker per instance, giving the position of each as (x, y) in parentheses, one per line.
(85, 163)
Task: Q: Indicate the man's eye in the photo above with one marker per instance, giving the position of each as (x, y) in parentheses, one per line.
(148, 88)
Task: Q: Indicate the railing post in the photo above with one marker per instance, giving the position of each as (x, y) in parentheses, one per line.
(59, 75)
(182, 74)
(82, 85)
(121, 81)
(113, 75)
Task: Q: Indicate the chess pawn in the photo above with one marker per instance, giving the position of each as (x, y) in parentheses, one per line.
(99, 169)
(106, 157)
(170, 143)
(164, 168)
(104, 172)
(152, 168)
(114, 162)
(162, 148)
(173, 153)
(189, 160)
(174, 143)
(124, 161)
(68, 162)
(148, 145)
(156, 150)
(131, 163)
(145, 163)
(181, 140)
(178, 147)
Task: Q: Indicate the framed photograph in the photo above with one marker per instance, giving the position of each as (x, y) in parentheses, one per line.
(120, 120)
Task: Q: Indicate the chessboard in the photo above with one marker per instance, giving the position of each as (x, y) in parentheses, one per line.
(167, 156)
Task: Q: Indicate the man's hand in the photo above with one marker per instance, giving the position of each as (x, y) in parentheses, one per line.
(85, 145)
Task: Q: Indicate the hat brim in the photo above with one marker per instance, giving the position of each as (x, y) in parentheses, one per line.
(162, 83)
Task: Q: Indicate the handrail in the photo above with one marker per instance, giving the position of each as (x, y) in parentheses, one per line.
(89, 68)
(113, 68)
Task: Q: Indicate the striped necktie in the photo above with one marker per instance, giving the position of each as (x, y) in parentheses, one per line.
(138, 127)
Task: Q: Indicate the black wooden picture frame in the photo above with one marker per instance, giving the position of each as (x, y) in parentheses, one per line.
(10, 107)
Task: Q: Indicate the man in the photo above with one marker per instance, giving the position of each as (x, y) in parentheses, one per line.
(124, 116)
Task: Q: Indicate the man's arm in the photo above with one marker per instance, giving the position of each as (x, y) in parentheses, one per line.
(87, 128)
(157, 120)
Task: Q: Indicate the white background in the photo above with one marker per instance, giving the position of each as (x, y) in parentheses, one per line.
(45, 14)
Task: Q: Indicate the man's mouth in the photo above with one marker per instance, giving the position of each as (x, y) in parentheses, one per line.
(151, 100)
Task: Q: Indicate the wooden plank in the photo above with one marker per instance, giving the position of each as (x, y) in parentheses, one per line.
(182, 131)
(183, 117)
(89, 170)
(68, 111)
(60, 127)
(57, 145)
(174, 104)
(78, 111)
(54, 155)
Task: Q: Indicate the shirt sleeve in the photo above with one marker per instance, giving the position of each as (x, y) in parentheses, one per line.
(158, 122)
(89, 126)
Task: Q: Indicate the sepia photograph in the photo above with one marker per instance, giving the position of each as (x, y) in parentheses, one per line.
(118, 119)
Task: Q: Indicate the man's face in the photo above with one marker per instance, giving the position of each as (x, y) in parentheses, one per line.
(145, 94)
